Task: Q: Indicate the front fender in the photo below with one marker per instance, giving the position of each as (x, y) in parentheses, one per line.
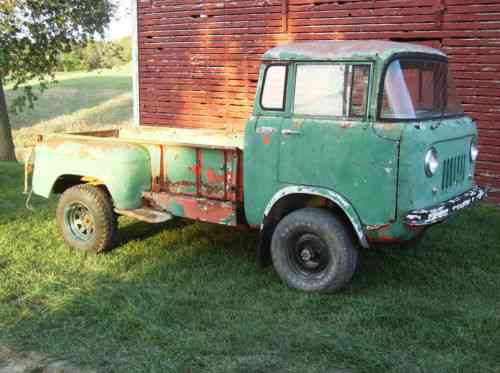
(334, 197)
(125, 169)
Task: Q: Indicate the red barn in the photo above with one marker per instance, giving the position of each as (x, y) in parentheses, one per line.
(198, 59)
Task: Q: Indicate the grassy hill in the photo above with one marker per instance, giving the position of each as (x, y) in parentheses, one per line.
(79, 101)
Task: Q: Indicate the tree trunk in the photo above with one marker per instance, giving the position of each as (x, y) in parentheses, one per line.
(6, 144)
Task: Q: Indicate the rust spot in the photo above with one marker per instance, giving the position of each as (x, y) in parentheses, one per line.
(194, 169)
(385, 126)
(92, 181)
(381, 227)
(214, 178)
(386, 239)
(201, 209)
(213, 191)
(266, 139)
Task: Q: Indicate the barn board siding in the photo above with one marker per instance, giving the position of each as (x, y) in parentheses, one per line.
(199, 59)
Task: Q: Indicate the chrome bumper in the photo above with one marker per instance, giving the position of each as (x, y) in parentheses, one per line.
(441, 212)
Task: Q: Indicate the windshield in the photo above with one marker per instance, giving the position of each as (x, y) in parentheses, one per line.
(416, 89)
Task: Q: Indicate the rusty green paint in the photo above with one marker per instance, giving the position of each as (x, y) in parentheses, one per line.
(372, 170)
(378, 167)
(176, 209)
(330, 50)
(180, 169)
(396, 232)
(123, 168)
(189, 207)
(451, 138)
(213, 173)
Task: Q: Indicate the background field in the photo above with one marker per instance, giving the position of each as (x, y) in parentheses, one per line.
(79, 101)
(183, 297)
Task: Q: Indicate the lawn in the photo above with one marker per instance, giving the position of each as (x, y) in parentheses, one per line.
(79, 101)
(188, 297)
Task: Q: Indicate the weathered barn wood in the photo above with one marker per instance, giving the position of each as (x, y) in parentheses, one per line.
(198, 59)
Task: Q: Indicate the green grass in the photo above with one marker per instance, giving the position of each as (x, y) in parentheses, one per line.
(78, 101)
(184, 297)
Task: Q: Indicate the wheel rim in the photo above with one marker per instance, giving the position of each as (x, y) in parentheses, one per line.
(80, 221)
(309, 255)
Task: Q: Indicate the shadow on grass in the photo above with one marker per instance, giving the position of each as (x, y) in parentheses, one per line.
(12, 201)
(182, 297)
(138, 230)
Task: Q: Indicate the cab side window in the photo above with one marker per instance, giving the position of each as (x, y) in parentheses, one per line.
(332, 90)
(360, 81)
(274, 90)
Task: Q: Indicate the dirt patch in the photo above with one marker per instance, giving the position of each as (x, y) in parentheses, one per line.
(34, 362)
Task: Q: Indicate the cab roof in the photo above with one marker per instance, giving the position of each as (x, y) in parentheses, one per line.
(329, 50)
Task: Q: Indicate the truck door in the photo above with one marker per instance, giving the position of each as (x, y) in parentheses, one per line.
(322, 140)
(329, 139)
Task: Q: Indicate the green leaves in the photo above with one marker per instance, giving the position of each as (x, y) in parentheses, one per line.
(33, 33)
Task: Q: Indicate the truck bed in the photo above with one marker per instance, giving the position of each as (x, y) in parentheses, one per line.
(206, 138)
(195, 173)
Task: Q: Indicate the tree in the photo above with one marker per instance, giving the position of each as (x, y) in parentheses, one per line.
(97, 55)
(33, 34)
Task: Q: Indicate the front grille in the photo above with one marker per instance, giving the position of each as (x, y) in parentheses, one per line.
(453, 171)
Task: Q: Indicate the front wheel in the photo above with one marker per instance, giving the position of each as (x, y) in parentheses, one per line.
(313, 250)
(86, 219)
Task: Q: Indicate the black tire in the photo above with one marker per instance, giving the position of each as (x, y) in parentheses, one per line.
(314, 250)
(86, 218)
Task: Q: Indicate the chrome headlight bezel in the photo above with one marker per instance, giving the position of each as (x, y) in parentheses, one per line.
(431, 163)
(474, 150)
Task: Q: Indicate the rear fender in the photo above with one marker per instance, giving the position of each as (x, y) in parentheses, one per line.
(125, 169)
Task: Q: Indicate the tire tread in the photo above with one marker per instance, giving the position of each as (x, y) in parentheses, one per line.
(328, 224)
(105, 218)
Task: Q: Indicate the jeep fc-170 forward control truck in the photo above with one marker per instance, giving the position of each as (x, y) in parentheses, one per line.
(350, 143)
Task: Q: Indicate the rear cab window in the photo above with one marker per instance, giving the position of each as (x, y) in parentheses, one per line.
(332, 90)
(273, 95)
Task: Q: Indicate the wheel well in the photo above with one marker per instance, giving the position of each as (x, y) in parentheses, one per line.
(65, 182)
(285, 206)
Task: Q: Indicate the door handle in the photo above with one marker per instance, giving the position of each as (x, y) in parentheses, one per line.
(291, 132)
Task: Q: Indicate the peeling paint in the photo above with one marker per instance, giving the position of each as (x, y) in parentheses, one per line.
(201, 209)
(330, 50)
(332, 196)
(377, 227)
(439, 213)
(265, 130)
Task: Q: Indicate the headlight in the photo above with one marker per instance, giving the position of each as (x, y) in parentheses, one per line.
(474, 151)
(431, 162)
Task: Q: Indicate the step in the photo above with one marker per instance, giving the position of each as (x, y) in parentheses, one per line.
(147, 215)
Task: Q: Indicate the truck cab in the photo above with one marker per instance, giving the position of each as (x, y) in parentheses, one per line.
(350, 143)
(376, 123)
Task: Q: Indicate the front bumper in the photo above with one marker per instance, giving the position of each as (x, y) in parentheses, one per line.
(441, 212)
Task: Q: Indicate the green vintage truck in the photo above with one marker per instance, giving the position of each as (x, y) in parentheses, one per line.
(350, 143)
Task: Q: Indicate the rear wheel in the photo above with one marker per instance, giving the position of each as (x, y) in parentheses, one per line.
(86, 218)
(313, 250)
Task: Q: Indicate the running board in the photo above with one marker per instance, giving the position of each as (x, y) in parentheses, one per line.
(147, 215)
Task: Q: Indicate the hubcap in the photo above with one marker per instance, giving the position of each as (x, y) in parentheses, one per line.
(80, 221)
(310, 254)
